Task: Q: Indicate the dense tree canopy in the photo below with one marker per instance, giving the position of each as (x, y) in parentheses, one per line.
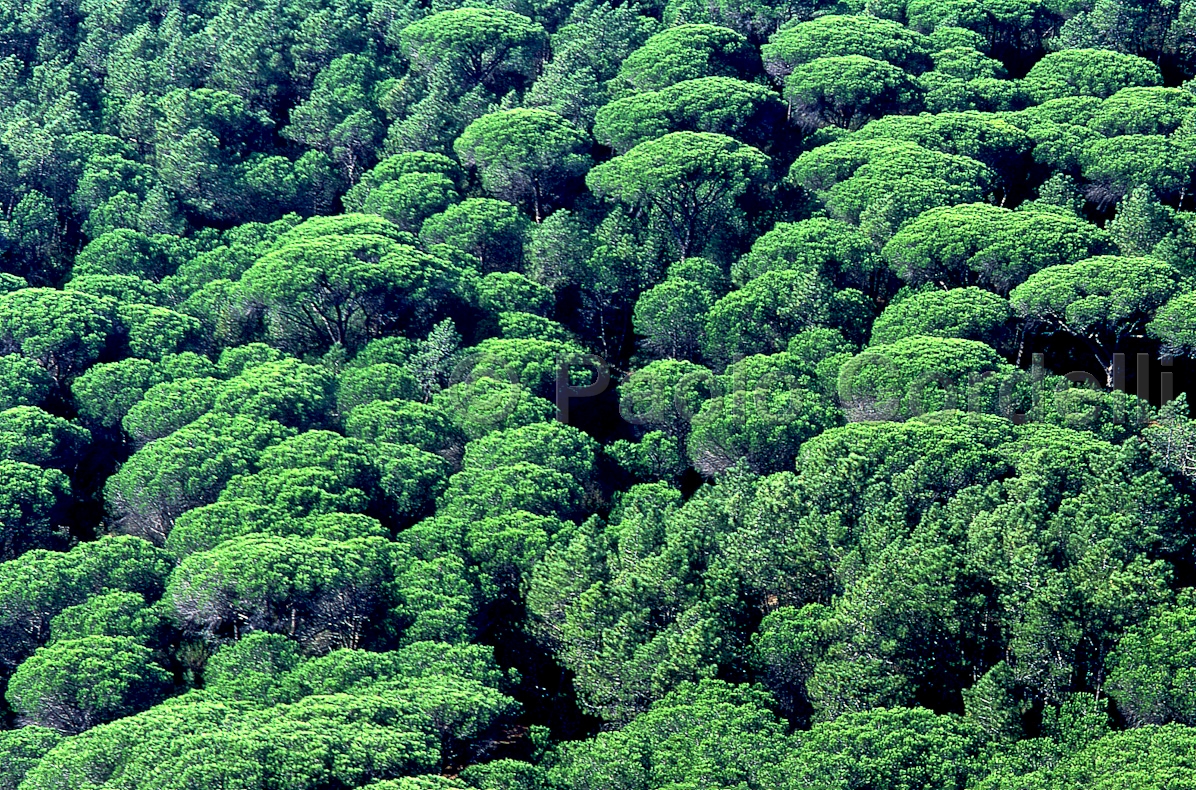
(667, 395)
(524, 153)
(685, 52)
(687, 180)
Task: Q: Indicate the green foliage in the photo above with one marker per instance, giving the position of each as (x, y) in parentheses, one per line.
(382, 381)
(63, 331)
(626, 607)
(687, 180)
(551, 444)
(235, 361)
(588, 50)
(1173, 324)
(701, 271)
(32, 436)
(411, 198)
(944, 93)
(981, 136)
(665, 395)
(407, 422)
(317, 591)
(394, 727)
(21, 749)
(40, 584)
(396, 168)
(762, 316)
(836, 36)
(124, 252)
(766, 407)
(478, 493)
(338, 117)
(503, 292)
(967, 63)
(1119, 164)
(206, 527)
(656, 456)
(1147, 757)
(186, 469)
(482, 405)
(1104, 300)
(686, 52)
(287, 391)
(967, 313)
(880, 185)
(896, 748)
(472, 46)
(753, 19)
(506, 548)
(1144, 226)
(116, 614)
(252, 668)
(531, 363)
(847, 91)
(1143, 111)
(292, 291)
(322, 290)
(671, 317)
(1151, 671)
(918, 374)
(412, 478)
(838, 251)
(523, 154)
(155, 331)
(170, 405)
(75, 684)
(1020, 23)
(31, 506)
(980, 244)
(492, 231)
(1089, 72)
(705, 733)
(26, 383)
(121, 287)
(721, 105)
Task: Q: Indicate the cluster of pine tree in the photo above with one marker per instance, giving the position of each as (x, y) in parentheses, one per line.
(294, 295)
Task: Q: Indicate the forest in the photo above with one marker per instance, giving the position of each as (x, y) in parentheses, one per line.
(597, 394)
